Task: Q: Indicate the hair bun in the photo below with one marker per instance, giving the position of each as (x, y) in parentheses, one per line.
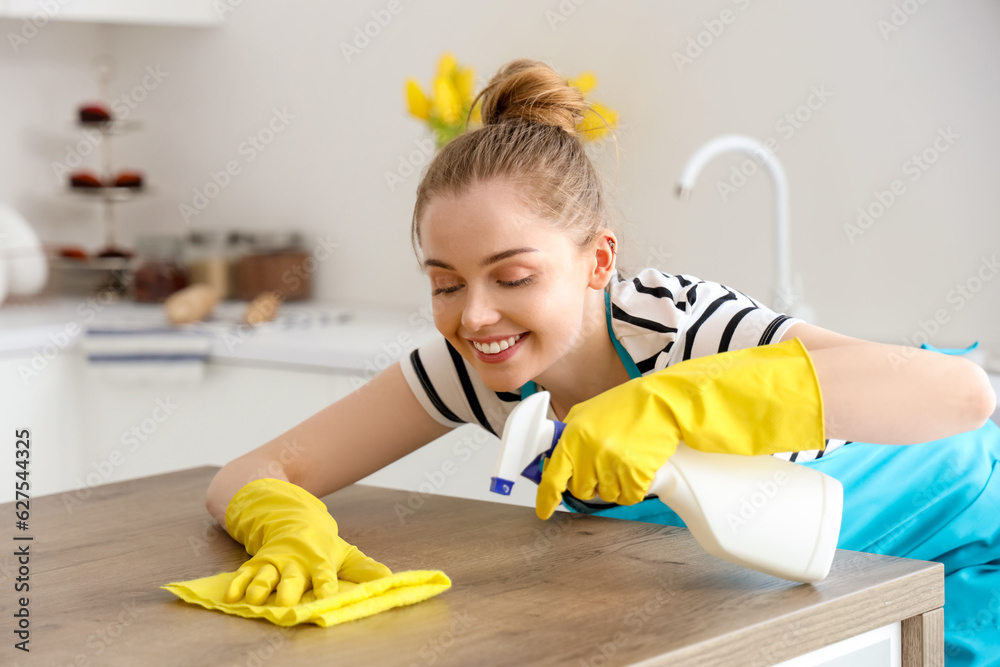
(531, 91)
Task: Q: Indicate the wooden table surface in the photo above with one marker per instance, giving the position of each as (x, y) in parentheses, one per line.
(574, 590)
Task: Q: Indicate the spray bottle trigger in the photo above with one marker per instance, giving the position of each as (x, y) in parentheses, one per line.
(534, 469)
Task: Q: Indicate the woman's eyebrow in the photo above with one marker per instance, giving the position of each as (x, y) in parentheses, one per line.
(492, 259)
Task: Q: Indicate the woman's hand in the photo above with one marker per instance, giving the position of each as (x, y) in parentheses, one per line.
(759, 400)
(294, 546)
(612, 446)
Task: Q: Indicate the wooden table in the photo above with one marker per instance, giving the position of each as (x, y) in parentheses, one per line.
(574, 590)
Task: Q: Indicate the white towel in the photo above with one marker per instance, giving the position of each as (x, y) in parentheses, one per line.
(147, 354)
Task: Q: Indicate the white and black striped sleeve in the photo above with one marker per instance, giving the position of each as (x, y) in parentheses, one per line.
(450, 391)
(719, 318)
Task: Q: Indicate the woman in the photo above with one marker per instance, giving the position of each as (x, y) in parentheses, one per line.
(516, 240)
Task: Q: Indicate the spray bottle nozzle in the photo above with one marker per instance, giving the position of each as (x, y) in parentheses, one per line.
(528, 436)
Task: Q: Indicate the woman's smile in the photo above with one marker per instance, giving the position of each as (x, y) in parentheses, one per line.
(496, 351)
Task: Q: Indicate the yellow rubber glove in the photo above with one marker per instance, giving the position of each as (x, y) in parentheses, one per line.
(294, 546)
(759, 400)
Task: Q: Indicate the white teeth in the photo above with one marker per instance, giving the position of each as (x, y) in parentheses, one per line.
(494, 348)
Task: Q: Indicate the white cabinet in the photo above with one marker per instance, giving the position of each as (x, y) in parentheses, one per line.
(133, 430)
(150, 12)
(40, 394)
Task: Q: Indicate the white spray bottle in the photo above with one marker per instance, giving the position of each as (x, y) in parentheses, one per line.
(761, 512)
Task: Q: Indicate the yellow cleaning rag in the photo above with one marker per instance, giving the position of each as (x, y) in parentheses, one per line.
(352, 601)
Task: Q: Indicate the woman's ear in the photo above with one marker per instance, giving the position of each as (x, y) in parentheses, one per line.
(605, 252)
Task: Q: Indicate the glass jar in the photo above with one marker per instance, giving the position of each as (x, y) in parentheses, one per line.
(238, 244)
(206, 259)
(160, 273)
(275, 261)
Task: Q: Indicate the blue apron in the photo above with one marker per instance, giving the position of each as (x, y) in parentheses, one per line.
(936, 501)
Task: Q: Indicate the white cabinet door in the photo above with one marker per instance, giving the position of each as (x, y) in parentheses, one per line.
(40, 394)
(133, 430)
(150, 12)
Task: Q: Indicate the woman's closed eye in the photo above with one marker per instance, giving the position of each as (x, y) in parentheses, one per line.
(505, 283)
(516, 283)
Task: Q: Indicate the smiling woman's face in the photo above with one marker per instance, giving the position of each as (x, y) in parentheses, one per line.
(501, 275)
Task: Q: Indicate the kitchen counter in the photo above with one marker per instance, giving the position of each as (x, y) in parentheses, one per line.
(305, 334)
(573, 590)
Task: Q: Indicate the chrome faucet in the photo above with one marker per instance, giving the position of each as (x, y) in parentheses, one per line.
(787, 299)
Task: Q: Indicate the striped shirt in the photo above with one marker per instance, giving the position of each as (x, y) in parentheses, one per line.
(660, 319)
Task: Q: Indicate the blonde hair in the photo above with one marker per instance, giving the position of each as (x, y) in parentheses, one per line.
(528, 139)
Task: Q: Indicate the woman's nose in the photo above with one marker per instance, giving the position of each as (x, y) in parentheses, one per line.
(480, 311)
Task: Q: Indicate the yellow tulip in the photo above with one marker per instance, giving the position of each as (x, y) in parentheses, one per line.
(592, 127)
(453, 91)
(585, 82)
(447, 65)
(465, 79)
(446, 100)
(417, 101)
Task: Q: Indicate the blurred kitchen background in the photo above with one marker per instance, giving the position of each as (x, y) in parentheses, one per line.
(269, 146)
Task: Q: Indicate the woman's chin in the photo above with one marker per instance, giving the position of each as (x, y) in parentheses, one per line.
(503, 385)
(503, 382)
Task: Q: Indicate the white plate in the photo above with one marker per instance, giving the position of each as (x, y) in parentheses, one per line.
(22, 253)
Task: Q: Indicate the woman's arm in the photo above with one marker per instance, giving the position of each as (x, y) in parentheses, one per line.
(368, 429)
(892, 394)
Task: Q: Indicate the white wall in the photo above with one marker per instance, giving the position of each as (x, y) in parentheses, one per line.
(325, 172)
